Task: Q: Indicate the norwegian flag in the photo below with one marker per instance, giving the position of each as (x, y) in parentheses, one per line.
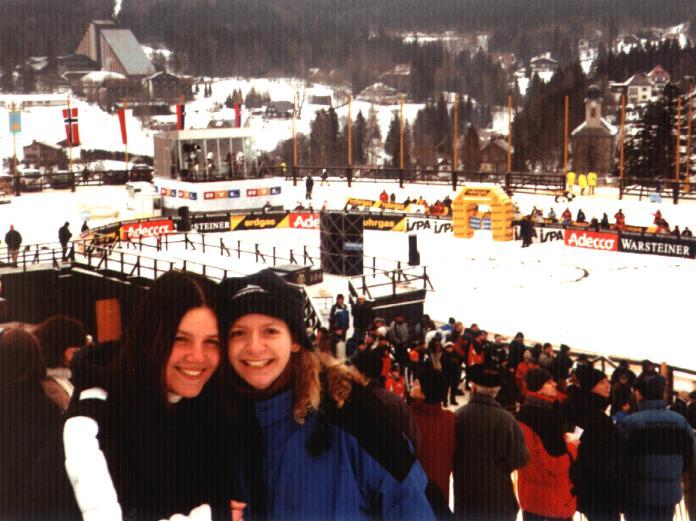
(122, 122)
(180, 116)
(72, 130)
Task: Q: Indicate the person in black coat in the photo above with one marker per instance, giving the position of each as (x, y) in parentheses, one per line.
(33, 484)
(165, 444)
(516, 351)
(64, 235)
(13, 240)
(598, 474)
(362, 317)
(309, 186)
(526, 231)
(560, 368)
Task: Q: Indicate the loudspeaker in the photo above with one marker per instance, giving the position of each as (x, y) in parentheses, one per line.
(341, 243)
(413, 255)
(184, 224)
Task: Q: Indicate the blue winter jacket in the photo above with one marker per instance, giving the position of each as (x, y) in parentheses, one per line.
(659, 450)
(367, 472)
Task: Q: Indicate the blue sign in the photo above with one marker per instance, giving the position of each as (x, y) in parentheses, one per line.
(275, 190)
(15, 122)
(233, 194)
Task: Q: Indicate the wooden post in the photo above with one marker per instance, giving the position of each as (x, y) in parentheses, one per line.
(401, 133)
(565, 139)
(509, 152)
(677, 147)
(455, 137)
(688, 145)
(621, 145)
(294, 131)
(349, 123)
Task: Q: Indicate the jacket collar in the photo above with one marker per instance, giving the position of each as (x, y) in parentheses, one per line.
(652, 404)
(484, 399)
(275, 409)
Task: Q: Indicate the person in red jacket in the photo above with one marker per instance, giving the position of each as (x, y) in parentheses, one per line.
(544, 485)
(384, 196)
(528, 362)
(395, 382)
(436, 426)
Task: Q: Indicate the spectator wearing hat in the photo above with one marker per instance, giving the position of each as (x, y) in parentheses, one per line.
(339, 321)
(598, 473)
(399, 335)
(362, 318)
(395, 381)
(60, 338)
(489, 447)
(451, 370)
(324, 458)
(517, 349)
(436, 426)
(528, 362)
(659, 448)
(561, 367)
(544, 485)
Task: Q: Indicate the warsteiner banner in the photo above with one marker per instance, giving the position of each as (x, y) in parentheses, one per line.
(389, 223)
(667, 246)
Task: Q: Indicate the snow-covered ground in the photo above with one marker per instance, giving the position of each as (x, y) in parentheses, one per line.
(624, 304)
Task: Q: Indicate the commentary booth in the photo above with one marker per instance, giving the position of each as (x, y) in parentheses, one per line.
(211, 170)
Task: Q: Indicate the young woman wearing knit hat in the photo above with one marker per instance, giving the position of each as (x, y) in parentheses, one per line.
(318, 457)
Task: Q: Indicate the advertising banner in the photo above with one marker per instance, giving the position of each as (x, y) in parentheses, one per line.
(591, 240)
(257, 222)
(667, 246)
(543, 234)
(389, 223)
(204, 223)
(438, 226)
(303, 221)
(153, 228)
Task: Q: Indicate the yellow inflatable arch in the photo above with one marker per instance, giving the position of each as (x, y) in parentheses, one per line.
(465, 206)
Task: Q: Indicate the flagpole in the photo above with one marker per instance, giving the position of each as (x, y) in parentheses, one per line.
(688, 146)
(677, 155)
(621, 143)
(15, 174)
(565, 138)
(125, 107)
(70, 138)
(350, 130)
(455, 141)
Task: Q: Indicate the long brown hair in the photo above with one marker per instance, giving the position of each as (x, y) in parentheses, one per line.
(147, 344)
(21, 361)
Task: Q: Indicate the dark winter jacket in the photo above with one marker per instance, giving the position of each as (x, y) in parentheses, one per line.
(544, 483)
(517, 349)
(64, 234)
(659, 449)
(13, 239)
(339, 317)
(155, 461)
(368, 470)
(490, 445)
(560, 368)
(33, 483)
(598, 474)
(397, 413)
(362, 316)
(399, 333)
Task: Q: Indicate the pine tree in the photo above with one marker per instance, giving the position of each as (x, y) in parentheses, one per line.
(359, 139)
(392, 145)
(373, 137)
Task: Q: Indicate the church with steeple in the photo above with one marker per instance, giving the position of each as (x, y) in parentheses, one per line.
(593, 141)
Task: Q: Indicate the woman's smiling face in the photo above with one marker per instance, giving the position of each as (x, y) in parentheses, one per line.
(259, 348)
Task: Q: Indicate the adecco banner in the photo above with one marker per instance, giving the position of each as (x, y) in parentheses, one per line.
(303, 221)
(204, 223)
(591, 240)
(258, 222)
(656, 245)
(389, 223)
(438, 226)
(151, 228)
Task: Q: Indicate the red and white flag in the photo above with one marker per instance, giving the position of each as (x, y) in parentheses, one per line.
(72, 131)
(122, 121)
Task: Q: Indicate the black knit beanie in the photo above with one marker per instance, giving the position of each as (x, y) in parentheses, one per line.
(266, 293)
(588, 377)
(536, 378)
